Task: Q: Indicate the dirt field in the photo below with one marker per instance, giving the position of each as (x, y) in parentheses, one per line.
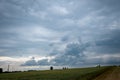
(113, 74)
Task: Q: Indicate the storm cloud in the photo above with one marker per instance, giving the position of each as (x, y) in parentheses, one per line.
(67, 32)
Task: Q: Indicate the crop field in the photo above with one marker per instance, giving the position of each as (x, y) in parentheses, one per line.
(69, 74)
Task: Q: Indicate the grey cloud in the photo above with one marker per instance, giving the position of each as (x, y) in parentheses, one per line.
(18, 41)
(113, 60)
(76, 48)
(90, 20)
(33, 62)
(109, 42)
(103, 61)
(72, 55)
(65, 39)
(44, 62)
(30, 62)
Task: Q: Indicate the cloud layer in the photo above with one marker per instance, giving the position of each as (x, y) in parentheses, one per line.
(73, 33)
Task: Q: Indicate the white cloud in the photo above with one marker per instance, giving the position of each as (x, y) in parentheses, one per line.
(38, 13)
(21, 59)
(114, 25)
(92, 19)
(36, 33)
(59, 10)
(67, 23)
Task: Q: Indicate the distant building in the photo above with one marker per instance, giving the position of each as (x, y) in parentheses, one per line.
(51, 68)
(1, 70)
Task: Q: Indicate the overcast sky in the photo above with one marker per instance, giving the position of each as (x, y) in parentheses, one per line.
(74, 33)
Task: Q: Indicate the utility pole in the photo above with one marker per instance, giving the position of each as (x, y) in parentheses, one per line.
(8, 68)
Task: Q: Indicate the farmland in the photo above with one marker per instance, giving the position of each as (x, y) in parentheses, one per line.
(113, 74)
(69, 74)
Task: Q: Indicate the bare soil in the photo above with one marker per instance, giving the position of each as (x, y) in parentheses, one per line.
(113, 74)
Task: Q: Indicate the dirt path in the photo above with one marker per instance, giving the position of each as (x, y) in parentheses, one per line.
(113, 74)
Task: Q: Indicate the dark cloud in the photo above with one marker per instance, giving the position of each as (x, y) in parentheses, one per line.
(31, 62)
(72, 56)
(103, 61)
(44, 62)
(109, 43)
(96, 23)
(76, 48)
(113, 60)
(65, 39)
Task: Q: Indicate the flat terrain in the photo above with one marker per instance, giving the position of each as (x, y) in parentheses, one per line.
(112, 74)
(69, 74)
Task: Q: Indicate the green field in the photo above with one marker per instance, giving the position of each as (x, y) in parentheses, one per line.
(70, 74)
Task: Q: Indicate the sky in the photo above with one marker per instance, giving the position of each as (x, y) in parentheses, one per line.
(36, 34)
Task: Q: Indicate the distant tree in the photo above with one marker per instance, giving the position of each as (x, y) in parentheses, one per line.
(51, 68)
(98, 66)
(1, 70)
(64, 68)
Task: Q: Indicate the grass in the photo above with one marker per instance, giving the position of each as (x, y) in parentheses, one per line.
(70, 74)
